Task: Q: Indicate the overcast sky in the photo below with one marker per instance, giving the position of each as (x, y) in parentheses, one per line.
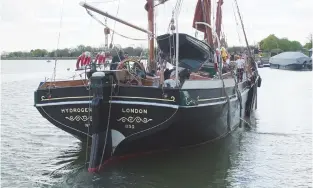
(30, 24)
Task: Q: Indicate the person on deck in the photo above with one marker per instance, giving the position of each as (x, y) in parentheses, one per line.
(125, 55)
(116, 59)
(100, 58)
(240, 67)
(87, 58)
(103, 57)
(97, 59)
(80, 61)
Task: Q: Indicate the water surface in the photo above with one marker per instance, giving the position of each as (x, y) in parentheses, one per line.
(275, 152)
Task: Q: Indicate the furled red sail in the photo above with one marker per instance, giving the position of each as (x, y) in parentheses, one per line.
(218, 22)
(203, 14)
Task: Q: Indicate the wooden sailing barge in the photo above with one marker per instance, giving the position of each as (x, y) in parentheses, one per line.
(131, 109)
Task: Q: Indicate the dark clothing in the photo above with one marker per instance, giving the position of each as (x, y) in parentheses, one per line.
(240, 74)
(232, 57)
(115, 60)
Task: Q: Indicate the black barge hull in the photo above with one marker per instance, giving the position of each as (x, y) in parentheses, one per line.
(146, 118)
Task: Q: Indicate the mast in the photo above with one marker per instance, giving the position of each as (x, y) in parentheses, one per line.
(106, 33)
(150, 8)
(218, 22)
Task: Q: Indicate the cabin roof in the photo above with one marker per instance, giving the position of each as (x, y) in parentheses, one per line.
(189, 47)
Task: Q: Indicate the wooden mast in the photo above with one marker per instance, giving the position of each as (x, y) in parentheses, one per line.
(150, 8)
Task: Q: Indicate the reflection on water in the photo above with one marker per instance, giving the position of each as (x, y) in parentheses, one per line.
(275, 152)
(193, 167)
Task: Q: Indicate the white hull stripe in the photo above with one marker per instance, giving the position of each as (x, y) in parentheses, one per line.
(113, 102)
(137, 103)
(145, 103)
(62, 103)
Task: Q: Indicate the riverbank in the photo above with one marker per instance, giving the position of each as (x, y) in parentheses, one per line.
(38, 58)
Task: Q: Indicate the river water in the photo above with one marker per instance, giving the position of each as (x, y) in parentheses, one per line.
(276, 151)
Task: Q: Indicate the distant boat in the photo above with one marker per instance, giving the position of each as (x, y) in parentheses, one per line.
(48, 61)
(263, 62)
(291, 61)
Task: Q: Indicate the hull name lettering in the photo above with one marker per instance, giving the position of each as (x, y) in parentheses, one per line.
(75, 110)
(134, 111)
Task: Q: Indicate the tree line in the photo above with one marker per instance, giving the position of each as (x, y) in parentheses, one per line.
(275, 45)
(268, 44)
(272, 42)
(71, 52)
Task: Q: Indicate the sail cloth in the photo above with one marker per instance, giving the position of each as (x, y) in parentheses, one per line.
(218, 22)
(203, 14)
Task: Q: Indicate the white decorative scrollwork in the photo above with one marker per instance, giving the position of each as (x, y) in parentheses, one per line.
(190, 101)
(173, 98)
(131, 119)
(78, 118)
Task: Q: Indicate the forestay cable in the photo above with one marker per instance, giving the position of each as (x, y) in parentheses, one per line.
(105, 25)
(59, 36)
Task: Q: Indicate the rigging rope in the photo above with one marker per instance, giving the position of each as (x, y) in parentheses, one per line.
(118, 8)
(98, 2)
(59, 36)
(105, 25)
(237, 25)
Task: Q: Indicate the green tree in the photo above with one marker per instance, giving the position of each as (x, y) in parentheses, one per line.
(39, 53)
(272, 42)
(296, 46)
(284, 44)
(308, 45)
(269, 43)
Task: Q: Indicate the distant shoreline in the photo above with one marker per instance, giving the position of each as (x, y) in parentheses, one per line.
(38, 58)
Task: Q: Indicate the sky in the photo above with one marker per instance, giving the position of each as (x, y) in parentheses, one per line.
(32, 24)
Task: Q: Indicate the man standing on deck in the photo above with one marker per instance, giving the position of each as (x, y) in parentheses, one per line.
(116, 59)
(240, 67)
